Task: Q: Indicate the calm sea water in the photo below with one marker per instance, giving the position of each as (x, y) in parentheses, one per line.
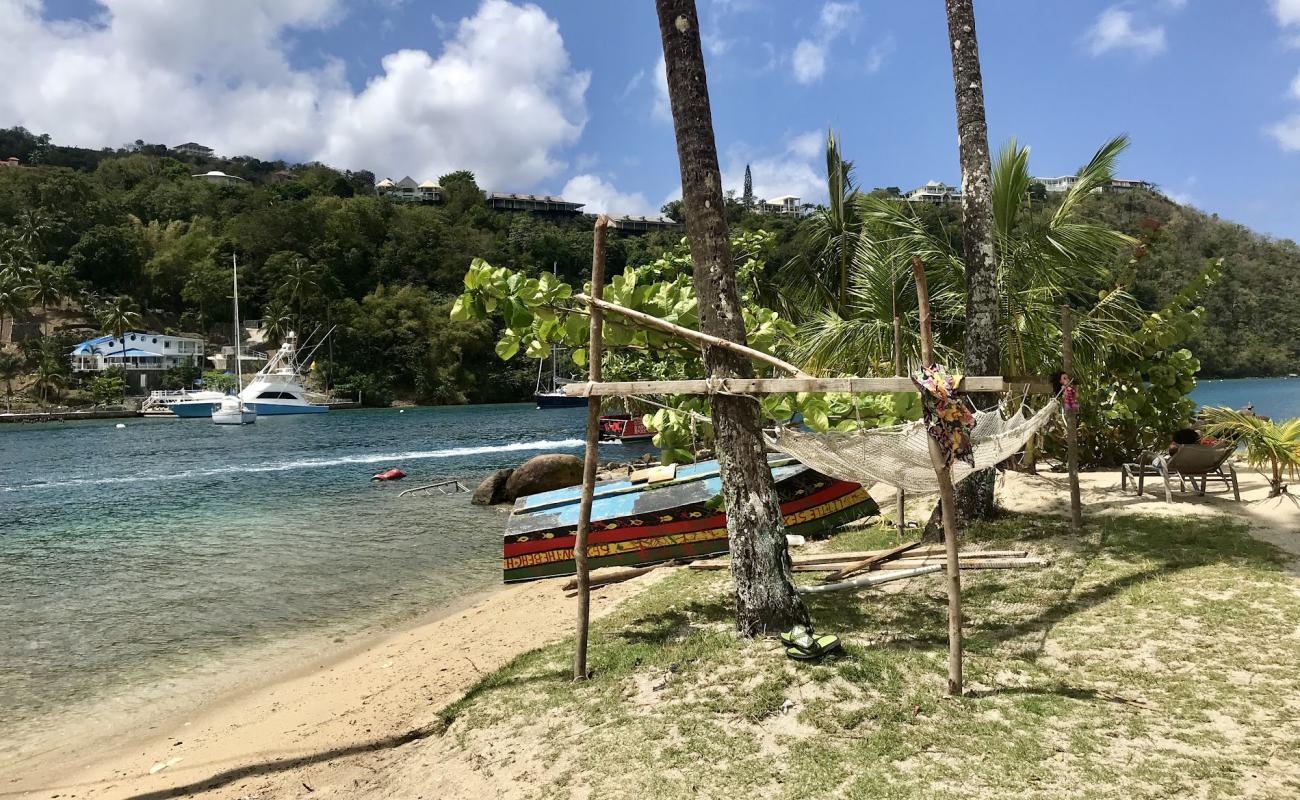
(137, 562)
(1278, 398)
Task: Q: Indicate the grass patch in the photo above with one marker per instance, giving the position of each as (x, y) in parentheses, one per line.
(1155, 657)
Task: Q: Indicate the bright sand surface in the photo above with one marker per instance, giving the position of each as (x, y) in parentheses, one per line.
(355, 725)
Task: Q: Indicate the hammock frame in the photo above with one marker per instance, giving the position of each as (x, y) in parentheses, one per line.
(595, 389)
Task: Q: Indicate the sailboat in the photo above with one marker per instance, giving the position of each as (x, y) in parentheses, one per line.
(551, 396)
(232, 410)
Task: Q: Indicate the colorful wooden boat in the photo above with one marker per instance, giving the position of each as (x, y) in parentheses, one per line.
(672, 514)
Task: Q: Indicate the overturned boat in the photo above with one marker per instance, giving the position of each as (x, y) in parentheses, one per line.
(664, 513)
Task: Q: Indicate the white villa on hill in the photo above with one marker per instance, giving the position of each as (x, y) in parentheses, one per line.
(935, 193)
(408, 191)
(786, 204)
(144, 356)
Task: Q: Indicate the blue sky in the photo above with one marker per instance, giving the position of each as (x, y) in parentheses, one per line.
(568, 97)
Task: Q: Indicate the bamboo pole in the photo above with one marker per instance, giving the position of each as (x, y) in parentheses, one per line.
(874, 579)
(594, 349)
(900, 499)
(1071, 419)
(702, 339)
(707, 386)
(947, 501)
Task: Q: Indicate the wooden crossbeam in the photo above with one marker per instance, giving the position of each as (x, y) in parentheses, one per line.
(971, 383)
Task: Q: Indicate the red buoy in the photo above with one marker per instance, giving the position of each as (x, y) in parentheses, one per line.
(390, 474)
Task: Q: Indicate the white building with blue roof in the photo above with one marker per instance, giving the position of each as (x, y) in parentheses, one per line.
(144, 356)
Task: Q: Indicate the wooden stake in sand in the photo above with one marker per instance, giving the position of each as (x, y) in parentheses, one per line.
(593, 450)
(900, 510)
(947, 501)
(1071, 419)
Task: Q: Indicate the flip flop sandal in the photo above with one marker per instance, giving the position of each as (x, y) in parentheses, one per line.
(821, 646)
(800, 638)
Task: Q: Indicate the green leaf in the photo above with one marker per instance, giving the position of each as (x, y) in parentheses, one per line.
(536, 349)
(507, 347)
(460, 309)
(580, 356)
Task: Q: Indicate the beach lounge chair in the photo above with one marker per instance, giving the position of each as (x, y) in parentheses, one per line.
(1203, 463)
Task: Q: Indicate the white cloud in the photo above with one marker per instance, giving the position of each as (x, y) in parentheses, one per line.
(601, 196)
(1286, 133)
(809, 61)
(879, 53)
(1295, 86)
(217, 71)
(792, 170)
(663, 108)
(633, 84)
(1287, 12)
(1116, 29)
(810, 55)
(1175, 5)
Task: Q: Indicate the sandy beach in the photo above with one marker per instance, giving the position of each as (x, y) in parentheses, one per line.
(357, 725)
(330, 724)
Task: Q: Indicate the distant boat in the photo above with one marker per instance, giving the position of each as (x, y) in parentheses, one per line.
(275, 390)
(232, 410)
(549, 395)
(623, 428)
(661, 514)
(159, 403)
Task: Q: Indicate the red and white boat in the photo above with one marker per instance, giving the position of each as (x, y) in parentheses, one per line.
(623, 428)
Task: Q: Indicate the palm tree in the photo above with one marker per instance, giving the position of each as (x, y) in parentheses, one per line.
(11, 366)
(830, 235)
(981, 346)
(302, 285)
(276, 322)
(115, 317)
(14, 299)
(1044, 261)
(1272, 444)
(51, 373)
(48, 285)
(760, 561)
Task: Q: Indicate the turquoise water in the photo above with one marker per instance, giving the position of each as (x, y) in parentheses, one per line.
(1278, 398)
(137, 561)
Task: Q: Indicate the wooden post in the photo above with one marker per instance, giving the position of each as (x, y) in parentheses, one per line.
(593, 450)
(900, 511)
(1071, 419)
(947, 501)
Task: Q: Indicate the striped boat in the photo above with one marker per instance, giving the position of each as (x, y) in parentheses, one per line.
(665, 515)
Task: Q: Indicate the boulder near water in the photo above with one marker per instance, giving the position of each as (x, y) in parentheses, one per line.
(493, 489)
(544, 474)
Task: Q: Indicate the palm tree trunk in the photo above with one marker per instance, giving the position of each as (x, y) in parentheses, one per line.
(760, 562)
(975, 494)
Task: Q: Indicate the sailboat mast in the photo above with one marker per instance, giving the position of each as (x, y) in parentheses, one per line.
(239, 368)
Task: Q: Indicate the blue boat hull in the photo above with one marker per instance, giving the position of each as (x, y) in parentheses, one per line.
(274, 409)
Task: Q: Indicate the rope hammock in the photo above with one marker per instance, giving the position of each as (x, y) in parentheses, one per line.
(900, 456)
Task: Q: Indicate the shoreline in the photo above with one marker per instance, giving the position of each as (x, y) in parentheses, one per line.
(266, 666)
(376, 692)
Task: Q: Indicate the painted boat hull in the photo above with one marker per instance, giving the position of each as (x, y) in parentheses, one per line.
(637, 525)
(548, 400)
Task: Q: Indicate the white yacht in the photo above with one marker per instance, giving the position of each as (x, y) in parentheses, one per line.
(159, 403)
(276, 389)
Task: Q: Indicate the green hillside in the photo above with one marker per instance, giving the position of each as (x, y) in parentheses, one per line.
(317, 247)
